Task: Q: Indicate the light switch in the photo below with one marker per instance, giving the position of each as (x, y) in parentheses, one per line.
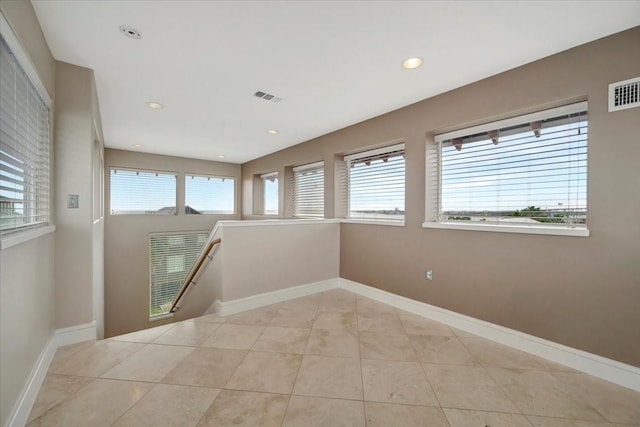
(72, 201)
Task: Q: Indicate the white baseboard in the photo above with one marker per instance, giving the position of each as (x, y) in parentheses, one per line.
(60, 337)
(592, 364)
(75, 334)
(22, 408)
(255, 301)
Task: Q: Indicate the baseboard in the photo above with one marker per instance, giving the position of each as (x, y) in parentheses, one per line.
(592, 364)
(22, 408)
(75, 334)
(255, 301)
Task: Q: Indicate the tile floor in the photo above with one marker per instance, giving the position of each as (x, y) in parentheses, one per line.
(331, 359)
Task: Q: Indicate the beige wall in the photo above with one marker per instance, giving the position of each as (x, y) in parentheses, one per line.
(261, 258)
(27, 319)
(127, 238)
(582, 292)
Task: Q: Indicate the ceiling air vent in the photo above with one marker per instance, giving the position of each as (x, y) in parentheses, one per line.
(625, 94)
(267, 96)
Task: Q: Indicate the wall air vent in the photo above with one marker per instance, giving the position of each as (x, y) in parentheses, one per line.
(267, 96)
(624, 94)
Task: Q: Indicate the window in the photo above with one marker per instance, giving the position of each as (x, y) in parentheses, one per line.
(308, 190)
(270, 193)
(525, 171)
(24, 148)
(135, 192)
(375, 184)
(171, 258)
(209, 195)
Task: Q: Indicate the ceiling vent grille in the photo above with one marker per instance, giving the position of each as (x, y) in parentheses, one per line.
(624, 94)
(267, 96)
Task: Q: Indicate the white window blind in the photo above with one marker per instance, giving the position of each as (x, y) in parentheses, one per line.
(270, 193)
(308, 190)
(529, 170)
(135, 192)
(24, 148)
(209, 195)
(375, 182)
(171, 257)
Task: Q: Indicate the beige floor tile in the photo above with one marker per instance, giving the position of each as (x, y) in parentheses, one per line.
(206, 367)
(466, 418)
(170, 406)
(389, 415)
(467, 387)
(383, 322)
(441, 350)
(382, 346)
(260, 316)
(418, 325)
(282, 340)
(368, 305)
(266, 372)
(95, 360)
(335, 320)
(187, 333)
(310, 302)
(68, 350)
(338, 294)
(338, 300)
(617, 404)
(294, 318)
(98, 404)
(245, 409)
(54, 390)
(230, 336)
(322, 412)
(335, 343)
(489, 353)
(564, 422)
(213, 318)
(461, 333)
(150, 364)
(329, 377)
(396, 382)
(145, 335)
(540, 393)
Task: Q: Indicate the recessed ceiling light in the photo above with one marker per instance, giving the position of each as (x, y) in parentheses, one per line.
(155, 105)
(412, 63)
(272, 132)
(221, 157)
(130, 32)
(138, 145)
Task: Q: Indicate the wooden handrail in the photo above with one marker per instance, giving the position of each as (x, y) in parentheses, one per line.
(192, 274)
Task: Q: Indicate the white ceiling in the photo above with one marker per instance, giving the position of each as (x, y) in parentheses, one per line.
(334, 63)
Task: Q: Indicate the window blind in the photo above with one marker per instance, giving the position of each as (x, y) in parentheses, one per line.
(270, 193)
(135, 192)
(376, 182)
(530, 170)
(209, 195)
(24, 148)
(171, 257)
(308, 190)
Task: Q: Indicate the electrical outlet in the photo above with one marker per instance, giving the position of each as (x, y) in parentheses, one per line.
(428, 274)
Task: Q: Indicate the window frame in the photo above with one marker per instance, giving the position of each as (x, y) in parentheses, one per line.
(433, 177)
(187, 175)
(141, 213)
(263, 178)
(35, 229)
(387, 149)
(316, 167)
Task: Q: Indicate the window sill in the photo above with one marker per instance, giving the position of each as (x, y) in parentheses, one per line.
(372, 222)
(160, 317)
(550, 231)
(19, 237)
